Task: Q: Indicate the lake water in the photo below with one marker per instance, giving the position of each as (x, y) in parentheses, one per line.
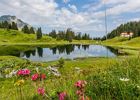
(68, 52)
(56, 52)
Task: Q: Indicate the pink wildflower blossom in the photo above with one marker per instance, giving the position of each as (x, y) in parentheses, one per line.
(78, 92)
(43, 76)
(62, 95)
(23, 72)
(35, 77)
(41, 91)
(80, 84)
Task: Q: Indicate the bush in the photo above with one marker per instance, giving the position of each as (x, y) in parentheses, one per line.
(61, 62)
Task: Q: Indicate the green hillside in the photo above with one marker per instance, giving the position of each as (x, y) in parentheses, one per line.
(128, 27)
(18, 37)
(124, 42)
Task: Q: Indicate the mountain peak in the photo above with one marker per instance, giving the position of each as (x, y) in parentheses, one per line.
(11, 18)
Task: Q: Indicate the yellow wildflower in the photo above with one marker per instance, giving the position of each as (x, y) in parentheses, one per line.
(19, 83)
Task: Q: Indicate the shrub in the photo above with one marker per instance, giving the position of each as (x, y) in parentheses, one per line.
(61, 62)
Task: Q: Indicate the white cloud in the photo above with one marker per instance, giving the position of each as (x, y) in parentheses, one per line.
(117, 7)
(51, 14)
(73, 8)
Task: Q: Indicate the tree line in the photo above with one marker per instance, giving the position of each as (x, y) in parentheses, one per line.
(69, 35)
(26, 29)
(8, 26)
(128, 27)
(31, 30)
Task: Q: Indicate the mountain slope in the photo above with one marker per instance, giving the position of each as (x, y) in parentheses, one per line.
(14, 36)
(11, 19)
(123, 42)
(128, 27)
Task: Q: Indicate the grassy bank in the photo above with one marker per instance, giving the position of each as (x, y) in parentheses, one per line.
(121, 42)
(107, 79)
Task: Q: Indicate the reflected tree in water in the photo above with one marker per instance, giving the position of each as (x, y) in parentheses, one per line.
(28, 54)
(113, 50)
(78, 45)
(33, 52)
(63, 49)
(85, 47)
(40, 51)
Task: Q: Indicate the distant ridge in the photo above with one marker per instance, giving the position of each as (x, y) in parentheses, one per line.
(133, 26)
(11, 19)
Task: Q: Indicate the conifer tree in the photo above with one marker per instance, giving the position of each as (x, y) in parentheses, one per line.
(32, 30)
(25, 29)
(14, 26)
(39, 33)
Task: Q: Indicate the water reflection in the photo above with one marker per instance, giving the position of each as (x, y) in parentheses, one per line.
(65, 51)
(67, 48)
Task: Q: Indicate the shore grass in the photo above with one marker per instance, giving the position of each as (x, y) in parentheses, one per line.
(123, 42)
(103, 76)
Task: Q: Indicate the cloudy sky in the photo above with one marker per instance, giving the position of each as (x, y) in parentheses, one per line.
(80, 15)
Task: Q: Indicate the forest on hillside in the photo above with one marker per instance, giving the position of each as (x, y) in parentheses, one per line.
(128, 27)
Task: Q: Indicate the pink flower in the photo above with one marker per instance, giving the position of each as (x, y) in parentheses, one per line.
(82, 98)
(35, 77)
(43, 76)
(78, 92)
(80, 84)
(62, 95)
(26, 72)
(23, 72)
(41, 91)
(19, 72)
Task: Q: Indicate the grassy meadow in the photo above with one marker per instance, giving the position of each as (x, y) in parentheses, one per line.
(113, 78)
(14, 37)
(123, 42)
(107, 79)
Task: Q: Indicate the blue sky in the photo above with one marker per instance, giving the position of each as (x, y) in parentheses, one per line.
(80, 15)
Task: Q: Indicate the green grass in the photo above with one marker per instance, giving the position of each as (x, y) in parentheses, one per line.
(102, 74)
(133, 43)
(131, 46)
(14, 37)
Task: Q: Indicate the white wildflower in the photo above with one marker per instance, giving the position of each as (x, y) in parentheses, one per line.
(37, 70)
(124, 79)
(54, 71)
(11, 74)
(138, 87)
(77, 68)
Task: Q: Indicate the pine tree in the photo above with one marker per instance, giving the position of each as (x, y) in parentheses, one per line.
(69, 35)
(79, 36)
(14, 26)
(0, 25)
(53, 34)
(39, 33)
(61, 35)
(32, 30)
(5, 24)
(25, 29)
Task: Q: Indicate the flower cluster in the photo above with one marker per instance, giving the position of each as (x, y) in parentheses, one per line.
(23, 72)
(81, 89)
(62, 95)
(38, 76)
(41, 91)
(80, 84)
(34, 77)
